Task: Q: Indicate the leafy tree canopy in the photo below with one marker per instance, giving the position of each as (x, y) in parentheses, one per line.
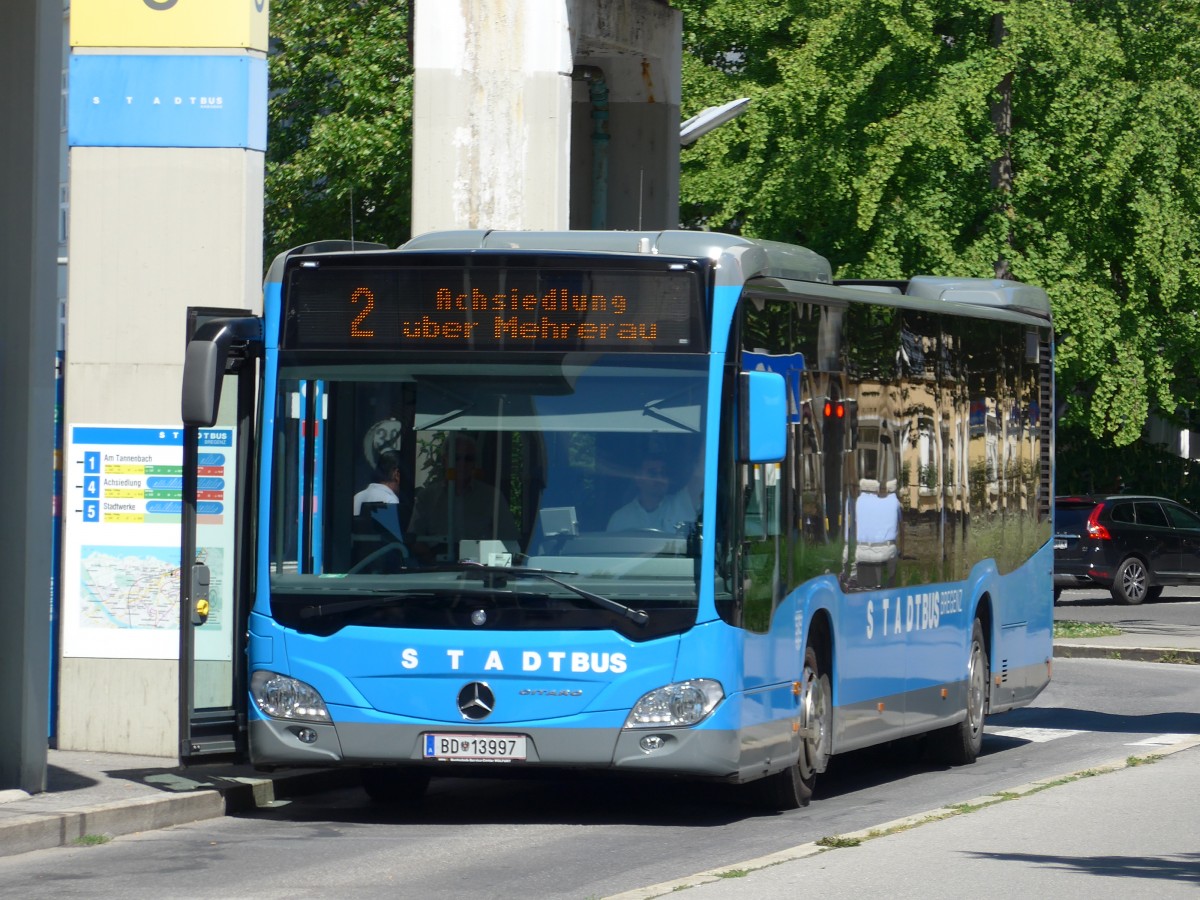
(881, 133)
(339, 149)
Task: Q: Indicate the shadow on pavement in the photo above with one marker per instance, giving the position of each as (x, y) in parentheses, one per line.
(63, 780)
(1185, 868)
(1091, 720)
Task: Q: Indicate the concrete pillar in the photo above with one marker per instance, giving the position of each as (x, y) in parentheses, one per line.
(505, 137)
(491, 113)
(31, 64)
(167, 133)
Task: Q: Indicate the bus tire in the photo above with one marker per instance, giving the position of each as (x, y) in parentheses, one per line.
(960, 744)
(792, 788)
(395, 785)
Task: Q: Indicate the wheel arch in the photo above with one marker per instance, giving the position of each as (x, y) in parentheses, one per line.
(984, 613)
(1151, 575)
(820, 638)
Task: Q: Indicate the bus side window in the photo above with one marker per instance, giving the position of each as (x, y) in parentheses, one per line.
(761, 518)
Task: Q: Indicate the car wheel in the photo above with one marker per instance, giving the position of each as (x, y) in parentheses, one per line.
(1132, 583)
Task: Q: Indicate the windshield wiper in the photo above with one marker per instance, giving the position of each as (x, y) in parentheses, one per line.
(321, 610)
(637, 616)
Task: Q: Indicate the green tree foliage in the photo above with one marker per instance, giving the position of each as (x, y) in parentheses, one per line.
(1051, 141)
(339, 148)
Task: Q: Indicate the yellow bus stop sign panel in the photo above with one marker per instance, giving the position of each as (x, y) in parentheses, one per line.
(169, 23)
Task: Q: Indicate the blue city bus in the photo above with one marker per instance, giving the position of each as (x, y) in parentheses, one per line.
(673, 503)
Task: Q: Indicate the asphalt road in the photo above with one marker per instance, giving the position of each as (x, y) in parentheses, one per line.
(584, 837)
(1176, 606)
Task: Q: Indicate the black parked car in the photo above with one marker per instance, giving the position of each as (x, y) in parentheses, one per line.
(1130, 545)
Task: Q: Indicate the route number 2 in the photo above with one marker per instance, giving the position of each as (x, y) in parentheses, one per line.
(368, 301)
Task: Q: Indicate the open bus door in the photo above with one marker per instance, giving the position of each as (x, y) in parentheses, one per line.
(220, 368)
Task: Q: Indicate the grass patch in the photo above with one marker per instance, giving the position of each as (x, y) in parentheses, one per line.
(836, 841)
(1084, 629)
(1142, 760)
(734, 873)
(1171, 656)
(91, 840)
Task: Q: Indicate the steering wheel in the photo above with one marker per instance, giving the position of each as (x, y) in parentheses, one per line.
(379, 554)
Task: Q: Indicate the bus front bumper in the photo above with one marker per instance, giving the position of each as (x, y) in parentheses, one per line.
(697, 752)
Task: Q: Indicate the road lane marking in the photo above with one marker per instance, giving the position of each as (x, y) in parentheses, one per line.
(1164, 740)
(1036, 735)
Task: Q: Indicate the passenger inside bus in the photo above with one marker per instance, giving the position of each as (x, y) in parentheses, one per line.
(459, 506)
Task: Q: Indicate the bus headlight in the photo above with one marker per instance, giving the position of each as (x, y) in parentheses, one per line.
(676, 705)
(281, 697)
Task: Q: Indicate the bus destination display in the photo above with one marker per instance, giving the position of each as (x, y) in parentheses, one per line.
(482, 308)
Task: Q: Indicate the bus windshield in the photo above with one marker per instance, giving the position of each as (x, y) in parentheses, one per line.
(406, 476)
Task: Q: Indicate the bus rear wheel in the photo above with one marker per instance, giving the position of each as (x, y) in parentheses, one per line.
(793, 787)
(960, 744)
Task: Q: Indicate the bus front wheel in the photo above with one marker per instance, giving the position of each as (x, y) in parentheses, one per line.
(793, 787)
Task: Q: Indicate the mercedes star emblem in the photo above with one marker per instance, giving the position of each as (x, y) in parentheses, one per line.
(476, 701)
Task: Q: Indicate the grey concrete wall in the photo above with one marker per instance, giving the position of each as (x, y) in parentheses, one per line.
(153, 231)
(31, 67)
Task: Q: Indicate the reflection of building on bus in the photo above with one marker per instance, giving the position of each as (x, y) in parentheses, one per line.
(861, 470)
(874, 513)
(873, 526)
(923, 410)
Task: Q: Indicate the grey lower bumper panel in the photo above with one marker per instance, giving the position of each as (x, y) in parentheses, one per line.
(702, 753)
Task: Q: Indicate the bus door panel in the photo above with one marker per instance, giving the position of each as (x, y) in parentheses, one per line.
(217, 485)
